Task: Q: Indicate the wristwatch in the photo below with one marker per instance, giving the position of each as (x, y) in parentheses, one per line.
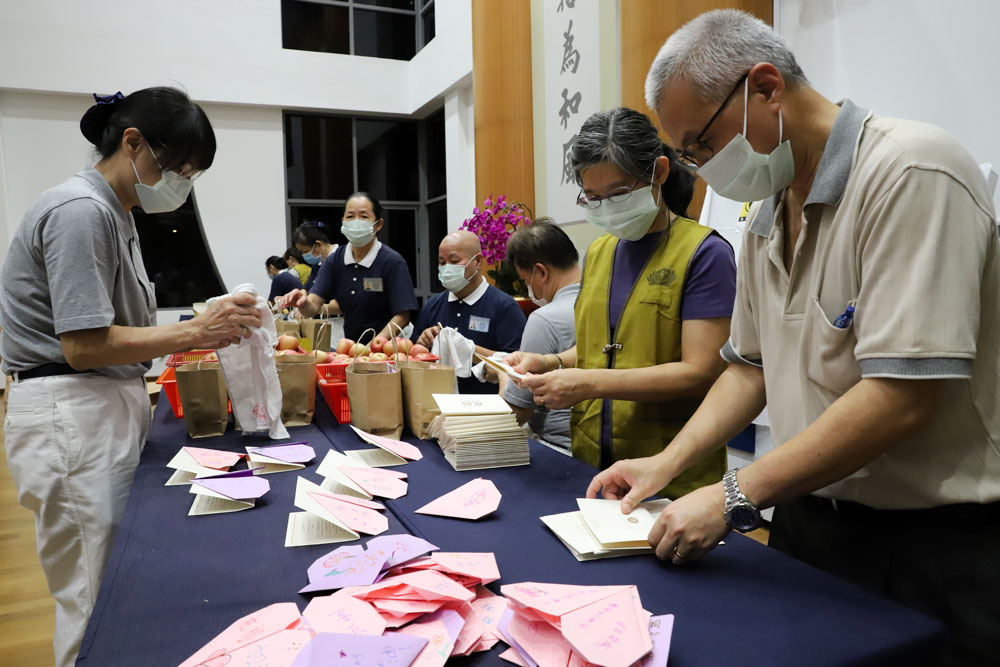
(741, 514)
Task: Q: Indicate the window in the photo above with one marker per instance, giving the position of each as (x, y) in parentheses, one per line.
(176, 256)
(394, 29)
(402, 162)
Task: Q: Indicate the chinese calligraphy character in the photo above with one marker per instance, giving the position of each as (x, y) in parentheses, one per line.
(565, 4)
(570, 105)
(571, 56)
(568, 176)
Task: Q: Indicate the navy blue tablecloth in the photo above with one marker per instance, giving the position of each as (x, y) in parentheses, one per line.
(173, 582)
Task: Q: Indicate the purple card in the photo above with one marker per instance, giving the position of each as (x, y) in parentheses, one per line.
(503, 627)
(246, 472)
(333, 650)
(400, 548)
(294, 452)
(344, 566)
(237, 488)
(660, 630)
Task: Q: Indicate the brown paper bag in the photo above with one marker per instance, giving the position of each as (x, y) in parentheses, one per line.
(202, 391)
(297, 376)
(420, 380)
(376, 395)
(318, 331)
(286, 327)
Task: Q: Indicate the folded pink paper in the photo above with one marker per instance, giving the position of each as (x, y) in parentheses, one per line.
(213, 458)
(246, 632)
(473, 500)
(343, 615)
(377, 481)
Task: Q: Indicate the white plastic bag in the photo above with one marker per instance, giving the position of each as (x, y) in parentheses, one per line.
(455, 350)
(251, 375)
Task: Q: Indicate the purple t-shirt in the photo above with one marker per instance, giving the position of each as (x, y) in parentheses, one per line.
(709, 291)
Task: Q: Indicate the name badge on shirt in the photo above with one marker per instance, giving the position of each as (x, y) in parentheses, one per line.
(373, 284)
(480, 324)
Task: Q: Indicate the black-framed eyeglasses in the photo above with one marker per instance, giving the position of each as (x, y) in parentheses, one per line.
(616, 195)
(697, 153)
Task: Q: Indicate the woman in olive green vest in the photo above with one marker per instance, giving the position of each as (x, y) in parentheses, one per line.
(654, 304)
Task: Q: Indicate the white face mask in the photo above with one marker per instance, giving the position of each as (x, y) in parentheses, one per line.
(452, 276)
(169, 193)
(359, 232)
(538, 301)
(628, 220)
(738, 172)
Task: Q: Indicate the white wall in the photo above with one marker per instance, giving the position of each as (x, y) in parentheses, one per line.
(227, 54)
(920, 59)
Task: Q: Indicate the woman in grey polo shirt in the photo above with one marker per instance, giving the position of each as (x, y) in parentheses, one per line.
(77, 313)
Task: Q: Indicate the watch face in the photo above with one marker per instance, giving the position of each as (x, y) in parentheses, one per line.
(743, 518)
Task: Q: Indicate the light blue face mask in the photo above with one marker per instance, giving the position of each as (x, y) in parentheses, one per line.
(311, 259)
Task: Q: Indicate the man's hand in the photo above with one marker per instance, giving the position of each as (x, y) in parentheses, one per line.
(630, 481)
(428, 335)
(531, 362)
(691, 526)
(293, 299)
(226, 321)
(560, 389)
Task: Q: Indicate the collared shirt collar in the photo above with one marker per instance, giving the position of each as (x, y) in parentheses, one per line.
(367, 260)
(833, 171)
(103, 188)
(566, 292)
(474, 297)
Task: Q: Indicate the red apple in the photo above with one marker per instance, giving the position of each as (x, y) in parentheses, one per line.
(211, 356)
(379, 356)
(425, 356)
(418, 349)
(344, 346)
(378, 344)
(363, 358)
(403, 345)
(321, 356)
(341, 358)
(288, 342)
(358, 349)
(401, 357)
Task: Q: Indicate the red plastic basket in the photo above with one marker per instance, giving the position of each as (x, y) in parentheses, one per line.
(335, 395)
(179, 358)
(332, 372)
(168, 380)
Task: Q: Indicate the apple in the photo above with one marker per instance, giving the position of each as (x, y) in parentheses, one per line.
(379, 356)
(358, 349)
(401, 357)
(341, 358)
(363, 358)
(288, 342)
(321, 356)
(344, 346)
(379, 343)
(418, 349)
(211, 356)
(425, 356)
(403, 345)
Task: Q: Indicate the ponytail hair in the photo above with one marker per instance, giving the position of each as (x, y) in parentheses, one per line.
(309, 232)
(170, 122)
(627, 139)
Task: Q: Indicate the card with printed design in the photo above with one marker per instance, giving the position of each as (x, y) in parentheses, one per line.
(246, 636)
(343, 615)
(226, 493)
(186, 464)
(336, 481)
(473, 500)
(397, 450)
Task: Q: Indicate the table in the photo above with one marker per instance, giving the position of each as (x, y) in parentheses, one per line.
(173, 582)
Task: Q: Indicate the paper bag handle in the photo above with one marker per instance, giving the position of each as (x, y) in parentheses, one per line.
(360, 338)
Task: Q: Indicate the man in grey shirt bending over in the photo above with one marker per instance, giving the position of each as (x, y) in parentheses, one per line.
(547, 261)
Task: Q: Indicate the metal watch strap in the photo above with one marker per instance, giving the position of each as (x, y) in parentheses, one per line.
(732, 487)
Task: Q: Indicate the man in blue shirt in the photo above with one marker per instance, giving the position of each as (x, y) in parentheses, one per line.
(485, 315)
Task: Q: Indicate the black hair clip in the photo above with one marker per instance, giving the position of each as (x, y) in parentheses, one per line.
(109, 99)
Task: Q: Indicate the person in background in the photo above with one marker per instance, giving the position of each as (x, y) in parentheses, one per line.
(488, 317)
(366, 281)
(312, 240)
(548, 263)
(283, 278)
(77, 313)
(654, 305)
(866, 318)
(296, 261)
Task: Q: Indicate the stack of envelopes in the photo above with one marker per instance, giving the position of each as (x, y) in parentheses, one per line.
(600, 530)
(558, 624)
(479, 431)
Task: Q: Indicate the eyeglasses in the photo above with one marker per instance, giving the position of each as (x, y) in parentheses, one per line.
(697, 153)
(192, 176)
(616, 195)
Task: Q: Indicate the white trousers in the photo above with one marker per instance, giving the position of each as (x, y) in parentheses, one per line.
(73, 443)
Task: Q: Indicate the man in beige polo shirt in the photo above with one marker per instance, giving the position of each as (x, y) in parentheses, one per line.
(867, 320)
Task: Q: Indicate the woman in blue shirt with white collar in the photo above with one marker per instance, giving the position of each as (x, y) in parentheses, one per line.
(312, 239)
(366, 281)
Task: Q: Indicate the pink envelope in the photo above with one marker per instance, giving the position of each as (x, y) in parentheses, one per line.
(545, 644)
(488, 611)
(397, 447)
(395, 607)
(473, 500)
(343, 614)
(556, 600)
(377, 481)
(423, 585)
(236, 488)
(400, 621)
(439, 643)
(329, 650)
(480, 566)
(370, 504)
(247, 631)
(213, 458)
(511, 655)
(355, 517)
(607, 632)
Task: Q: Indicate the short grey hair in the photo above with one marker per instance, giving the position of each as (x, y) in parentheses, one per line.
(714, 50)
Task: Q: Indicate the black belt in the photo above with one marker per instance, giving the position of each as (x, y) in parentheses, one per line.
(957, 512)
(48, 370)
